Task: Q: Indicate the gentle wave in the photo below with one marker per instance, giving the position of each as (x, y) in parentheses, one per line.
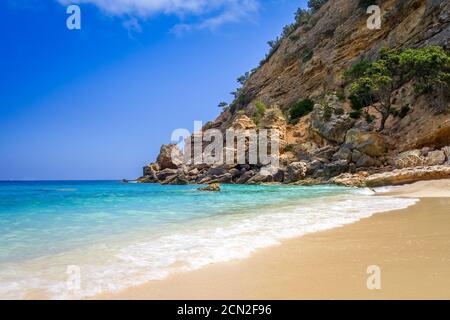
(191, 246)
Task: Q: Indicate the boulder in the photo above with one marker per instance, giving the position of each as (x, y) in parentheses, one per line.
(235, 173)
(279, 176)
(150, 172)
(356, 155)
(446, 151)
(259, 178)
(409, 159)
(147, 179)
(336, 168)
(170, 157)
(333, 129)
(344, 153)
(426, 151)
(312, 167)
(166, 174)
(325, 153)
(303, 156)
(268, 173)
(205, 180)
(370, 143)
(319, 174)
(296, 171)
(350, 180)
(194, 172)
(226, 178)
(435, 158)
(408, 175)
(247, 175)
(213, 187)
(179, 180)
(219, 170)
(151, 169)
(366, 161)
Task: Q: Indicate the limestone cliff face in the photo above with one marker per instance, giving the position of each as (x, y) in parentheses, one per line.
(338, 36)
(310, 63)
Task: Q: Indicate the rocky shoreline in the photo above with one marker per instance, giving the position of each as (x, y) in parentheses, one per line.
(329, 142)
(407, 167)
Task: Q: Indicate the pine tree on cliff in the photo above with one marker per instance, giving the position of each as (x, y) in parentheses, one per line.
(374, 83)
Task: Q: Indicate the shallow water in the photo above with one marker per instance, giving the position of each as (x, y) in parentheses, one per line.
(118, 235)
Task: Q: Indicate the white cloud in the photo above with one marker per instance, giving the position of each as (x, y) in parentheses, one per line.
(205, 13)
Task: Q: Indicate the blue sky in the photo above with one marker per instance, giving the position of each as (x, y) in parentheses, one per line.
(97, 103)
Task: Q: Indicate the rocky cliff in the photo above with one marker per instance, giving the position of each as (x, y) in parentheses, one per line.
(328, 144)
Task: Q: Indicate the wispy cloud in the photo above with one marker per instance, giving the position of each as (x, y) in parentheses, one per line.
(235, 11)
(193, 14)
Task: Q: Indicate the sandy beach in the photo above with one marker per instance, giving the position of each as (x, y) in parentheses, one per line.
(411, 247)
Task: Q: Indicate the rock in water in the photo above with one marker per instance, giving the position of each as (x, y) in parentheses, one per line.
(213, 187)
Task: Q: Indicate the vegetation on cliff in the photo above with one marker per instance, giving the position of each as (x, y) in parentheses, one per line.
(373, 83)
(300, 109)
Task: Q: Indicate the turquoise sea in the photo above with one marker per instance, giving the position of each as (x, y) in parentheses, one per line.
(119, 235)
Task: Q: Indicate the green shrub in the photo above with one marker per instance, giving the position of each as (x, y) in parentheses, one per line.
(357, 69)
(404, 111)
(394, 112)
(289, 148)
(339, 111)
(300, 109)
(355, 114)
(429, 66)
(261, 109)
(357, 103)
(307, 55)
(315, 5)
(302, 17)
(288, 29)
(243, 79)
(223, 105)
